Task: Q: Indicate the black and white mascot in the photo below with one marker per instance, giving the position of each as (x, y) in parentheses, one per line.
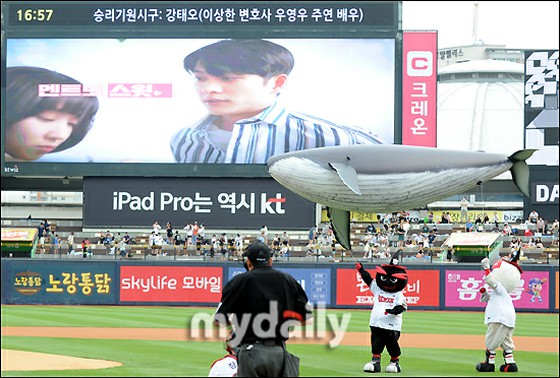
(386, 315)
(499, 316)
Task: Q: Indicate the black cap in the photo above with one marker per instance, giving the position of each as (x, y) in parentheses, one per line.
(258, 253)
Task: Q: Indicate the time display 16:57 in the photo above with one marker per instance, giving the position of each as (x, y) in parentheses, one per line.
(34, 14)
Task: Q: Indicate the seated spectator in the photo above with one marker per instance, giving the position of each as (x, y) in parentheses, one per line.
(122, 249)
(284, 249)
(449, 254)
(275, 245)
(108, 238)
(431, 217)
(238, 241)
(384, 253)
(541, 226)
(409, 243)
(101, 239)
(367, 239)
(156, 242)
(539, 243)
(384, 241)
(177, 239)
(418, 239)
(432, 238)
(48, 228)
(478, 224)
(231, 247)
(496, 219)
(514, 244)
(529, 245)
(85, 248)
(554, 231)
(533, 217)
(426, 243)
(284, 237)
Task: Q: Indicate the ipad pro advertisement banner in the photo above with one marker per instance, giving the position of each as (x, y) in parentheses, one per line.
(218, 203)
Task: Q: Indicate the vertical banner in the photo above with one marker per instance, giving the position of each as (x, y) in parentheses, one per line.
(419, 92)
(541, 106)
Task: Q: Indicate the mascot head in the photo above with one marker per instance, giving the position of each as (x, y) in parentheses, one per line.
(392, 277)
(507, 272)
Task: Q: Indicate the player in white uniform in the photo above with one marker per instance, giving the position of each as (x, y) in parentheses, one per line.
(227, 365)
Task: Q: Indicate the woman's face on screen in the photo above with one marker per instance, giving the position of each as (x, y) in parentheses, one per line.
(235, 96)
(32, 137)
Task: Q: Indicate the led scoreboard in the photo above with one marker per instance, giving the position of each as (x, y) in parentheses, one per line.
(102, 89)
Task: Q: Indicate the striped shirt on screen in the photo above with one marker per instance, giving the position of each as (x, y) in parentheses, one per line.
(255, 140)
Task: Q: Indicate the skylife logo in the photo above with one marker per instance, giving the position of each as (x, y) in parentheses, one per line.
(419, 63)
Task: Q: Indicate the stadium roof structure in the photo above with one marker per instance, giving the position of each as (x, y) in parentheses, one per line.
(480, 107)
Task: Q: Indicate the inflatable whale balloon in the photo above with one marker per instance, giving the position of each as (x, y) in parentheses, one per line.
(388, 178)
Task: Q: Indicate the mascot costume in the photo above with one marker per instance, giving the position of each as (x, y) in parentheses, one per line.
(499, 315)
(386, 315)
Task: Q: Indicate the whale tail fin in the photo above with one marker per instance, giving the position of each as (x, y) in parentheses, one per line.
(520, 170)
(340, 222)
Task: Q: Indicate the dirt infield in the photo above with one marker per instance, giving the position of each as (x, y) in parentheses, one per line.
(13, 360)
(16, 360)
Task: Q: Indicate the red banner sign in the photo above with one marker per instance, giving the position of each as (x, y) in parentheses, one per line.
(422, 288)
(419, 100)
(171, 284)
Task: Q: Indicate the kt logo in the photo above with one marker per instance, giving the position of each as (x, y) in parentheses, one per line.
(419, 63)
(267, 204)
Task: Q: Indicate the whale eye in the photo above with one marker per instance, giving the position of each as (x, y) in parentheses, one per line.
(383, 278)
(393, 280)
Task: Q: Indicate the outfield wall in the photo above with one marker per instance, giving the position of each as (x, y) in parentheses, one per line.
(433, 287)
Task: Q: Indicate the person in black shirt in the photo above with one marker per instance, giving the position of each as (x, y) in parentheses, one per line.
(261, 305)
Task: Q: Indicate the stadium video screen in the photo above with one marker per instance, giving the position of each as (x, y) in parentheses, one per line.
(176, 88)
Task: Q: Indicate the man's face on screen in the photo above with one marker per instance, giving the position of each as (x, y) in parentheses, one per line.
(236, 96)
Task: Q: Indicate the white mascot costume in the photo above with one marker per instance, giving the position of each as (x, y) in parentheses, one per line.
(499, 315)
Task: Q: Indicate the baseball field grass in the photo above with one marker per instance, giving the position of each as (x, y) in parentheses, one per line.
(166, 357)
